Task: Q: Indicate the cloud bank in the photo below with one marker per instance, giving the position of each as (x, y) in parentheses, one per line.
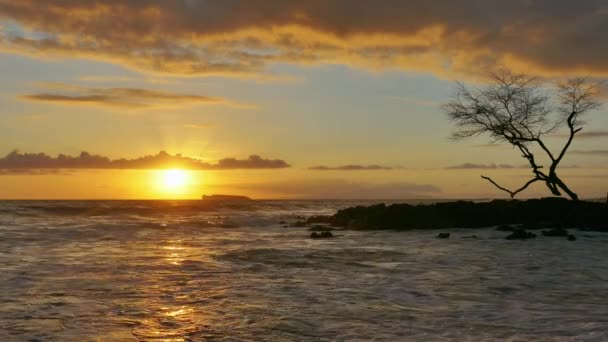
(198, 37)
(17, 162)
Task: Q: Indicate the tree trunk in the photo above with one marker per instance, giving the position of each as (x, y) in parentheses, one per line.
(565, 188)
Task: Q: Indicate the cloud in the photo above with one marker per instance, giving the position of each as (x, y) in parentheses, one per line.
(16, 161)
(584, 135)
(253, 162)
(243, 37)
(467, 166)
(117, 97)
(334, 189)
(591, 152)
(493, 166)
(350, 168)
(592, 134)
(32, 172)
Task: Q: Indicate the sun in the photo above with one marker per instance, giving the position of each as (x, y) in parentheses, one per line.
(173, 180)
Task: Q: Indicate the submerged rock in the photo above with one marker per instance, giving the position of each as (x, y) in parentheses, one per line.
(443, 236)
(521, 234)
(321, 235)
(320, 228)
(555, 232)
(571, 237)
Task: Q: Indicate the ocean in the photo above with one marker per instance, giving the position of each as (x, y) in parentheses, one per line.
(200, 271)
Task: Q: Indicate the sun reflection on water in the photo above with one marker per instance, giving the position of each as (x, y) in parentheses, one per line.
(176, 252)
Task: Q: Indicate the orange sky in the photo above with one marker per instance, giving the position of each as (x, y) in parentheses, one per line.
(277, 99)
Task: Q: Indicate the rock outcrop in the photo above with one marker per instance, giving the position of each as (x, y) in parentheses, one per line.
(530, 214)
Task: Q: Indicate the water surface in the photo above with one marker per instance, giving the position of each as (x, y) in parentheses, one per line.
(190, 271)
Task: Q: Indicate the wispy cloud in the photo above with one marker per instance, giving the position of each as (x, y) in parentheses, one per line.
(466, 166)
(493, 166)
(33, 172)
(336, 188)
(352, 167)
(591, 152)
(21, 162)
(134, 98)
(591, 134)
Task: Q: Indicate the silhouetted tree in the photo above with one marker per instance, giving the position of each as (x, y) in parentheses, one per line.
(516, 109)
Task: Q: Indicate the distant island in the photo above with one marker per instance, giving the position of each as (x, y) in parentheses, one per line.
(226, 198)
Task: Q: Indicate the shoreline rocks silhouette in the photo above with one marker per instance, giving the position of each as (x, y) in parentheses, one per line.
(509, 215)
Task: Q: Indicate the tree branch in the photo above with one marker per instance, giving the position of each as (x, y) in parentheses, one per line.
(511, 193)
(573, 131)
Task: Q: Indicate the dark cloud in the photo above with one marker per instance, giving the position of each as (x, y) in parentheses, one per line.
(482, 166)
(341, 189)
(21, 162)
(244, 36)
(350, 168)
(591, 152)
(117, 97)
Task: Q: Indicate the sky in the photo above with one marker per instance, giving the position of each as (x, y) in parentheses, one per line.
(279, 99)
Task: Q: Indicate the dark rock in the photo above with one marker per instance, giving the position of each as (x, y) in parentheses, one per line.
(319, 228)
(471, 237)
(443, 236)
(520, 234)
(555, 232)
(530, 214)
(571, 237)
(321, 235)
(285, 226)
(299, 224)
(282, 222)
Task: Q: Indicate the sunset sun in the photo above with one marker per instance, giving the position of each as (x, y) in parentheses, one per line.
(173, 180)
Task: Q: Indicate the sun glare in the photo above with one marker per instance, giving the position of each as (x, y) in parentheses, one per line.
(173, 180)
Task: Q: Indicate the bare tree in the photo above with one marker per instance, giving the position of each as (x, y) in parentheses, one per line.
(516, 109)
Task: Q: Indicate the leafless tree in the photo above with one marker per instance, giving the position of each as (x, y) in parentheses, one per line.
(517, 109)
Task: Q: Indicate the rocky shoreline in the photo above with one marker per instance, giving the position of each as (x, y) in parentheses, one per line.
(545, 213)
